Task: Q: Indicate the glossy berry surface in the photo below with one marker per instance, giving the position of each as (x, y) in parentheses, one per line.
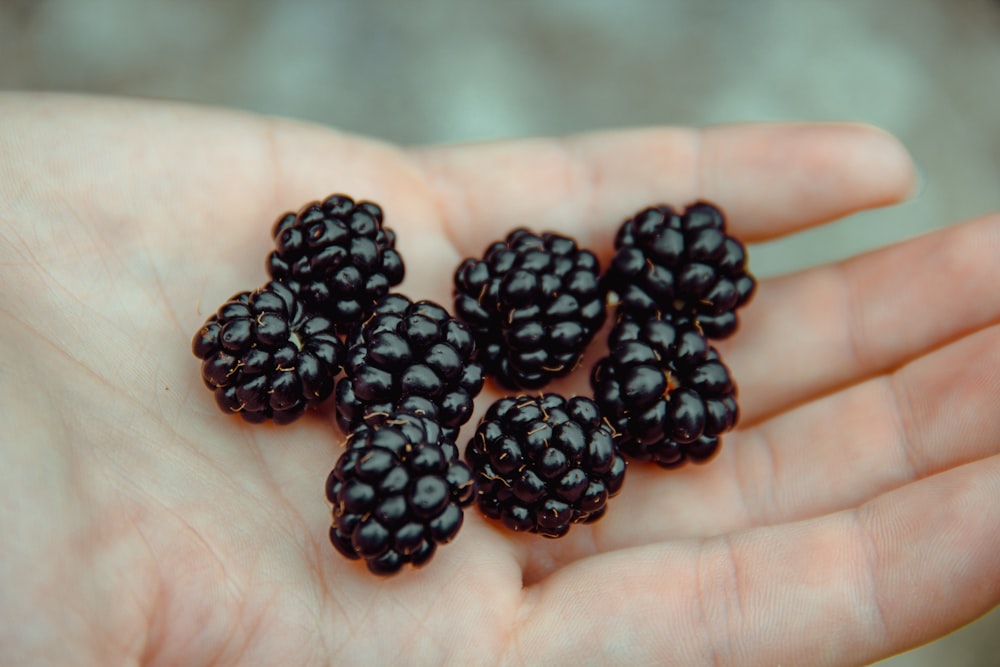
(534, 302)
(398, 492)
(265, 357)
(665, 390)
(412, 352)
(667, 261)
(337, 256)
(543, 463)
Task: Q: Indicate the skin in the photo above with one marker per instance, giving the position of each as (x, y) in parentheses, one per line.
(851, 516)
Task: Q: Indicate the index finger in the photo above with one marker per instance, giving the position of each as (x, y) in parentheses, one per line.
(771, 179)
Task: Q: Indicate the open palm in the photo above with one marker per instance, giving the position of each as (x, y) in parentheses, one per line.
(852, 515)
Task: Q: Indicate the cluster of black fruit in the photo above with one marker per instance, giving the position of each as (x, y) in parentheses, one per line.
(679, 279)
(404, 374)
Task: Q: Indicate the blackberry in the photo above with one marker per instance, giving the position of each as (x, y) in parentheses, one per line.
(409, 353)
(665, 390)
(534, 302)
(397, 492)
(337, 256)
(666, 261)
(266, 357)
(544, 463)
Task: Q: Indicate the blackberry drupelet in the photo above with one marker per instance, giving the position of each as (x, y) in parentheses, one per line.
(543, 463)
(398, 491)
(666, 261)
(412, 355)
(337, 256)
(266, 357)
(665, 390)
(534, 302)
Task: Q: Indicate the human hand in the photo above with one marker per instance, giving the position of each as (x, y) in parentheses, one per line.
(851, 515)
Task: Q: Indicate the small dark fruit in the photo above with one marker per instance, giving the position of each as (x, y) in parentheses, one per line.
(398, 492)
(534, 302)
(410, 355)
(266, 357)
(337, 256)
(665, 390)
(669, 262)
(543, 463)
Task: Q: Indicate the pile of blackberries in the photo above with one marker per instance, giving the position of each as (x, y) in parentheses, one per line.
(404, 374)
(678, 279)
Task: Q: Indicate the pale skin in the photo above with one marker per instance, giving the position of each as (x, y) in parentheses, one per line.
(851, 516)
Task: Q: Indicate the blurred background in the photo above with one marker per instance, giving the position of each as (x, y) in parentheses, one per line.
(436, 71)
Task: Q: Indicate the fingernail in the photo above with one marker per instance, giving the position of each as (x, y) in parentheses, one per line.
(920, 184)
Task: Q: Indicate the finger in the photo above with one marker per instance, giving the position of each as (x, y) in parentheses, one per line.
(846, 588)
(811, 332)
(770, 178)
(934, 414)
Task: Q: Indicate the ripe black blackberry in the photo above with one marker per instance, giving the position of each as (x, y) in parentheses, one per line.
(266, 357)
(412, 355)
(337, 256)
(397, 492)
(543, 463)
(665, 390)
(534, 302)
(667, 261)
